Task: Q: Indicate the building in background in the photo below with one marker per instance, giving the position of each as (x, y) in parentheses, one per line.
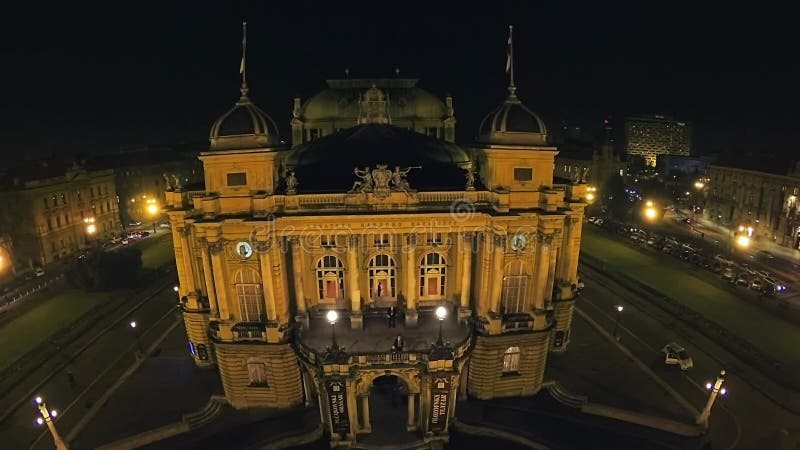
(143, 175)
(377, 209)
(756, 193)
(8, 267)
(680, 165)
(579, 160)
(650, 136)
(53, 208)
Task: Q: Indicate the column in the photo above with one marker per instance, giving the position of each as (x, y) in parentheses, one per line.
(366, 426)
(551, 273)
(353, 271)
(498, 266)
(411, 280)
(187, 261)
(574, 251)
(266, 280)
(542, 263)
(220, 280)
(412, 421)
(466, 275)
(485, 288)
(297, 273)
(209, 276)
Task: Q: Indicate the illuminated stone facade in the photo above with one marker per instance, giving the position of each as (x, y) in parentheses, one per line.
(767, 202)
(44, 213)
(363, 218)
(651, 136)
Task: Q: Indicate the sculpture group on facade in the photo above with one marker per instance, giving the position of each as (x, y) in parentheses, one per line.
(381, 180)
(470, 175)
(175, 184)
(291, 183)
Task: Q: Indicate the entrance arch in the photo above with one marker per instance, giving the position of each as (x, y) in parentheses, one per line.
(388, 401)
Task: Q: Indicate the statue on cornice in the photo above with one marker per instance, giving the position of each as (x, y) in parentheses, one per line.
(470, 175)
(291, 183)
(399, 181)
(167, 183)
(365, 184)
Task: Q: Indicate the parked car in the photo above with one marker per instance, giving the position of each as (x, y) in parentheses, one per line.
(134, 224)
(727, 275)
(723, 260)
(163, 225)
(39, 272)
(716, 267)
(765, 254)
(756, 284)
(675, 354)
(742, 280)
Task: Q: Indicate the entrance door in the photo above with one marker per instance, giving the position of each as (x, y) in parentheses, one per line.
(388, 406)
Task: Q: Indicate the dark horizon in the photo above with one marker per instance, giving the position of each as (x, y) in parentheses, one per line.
(86, 79)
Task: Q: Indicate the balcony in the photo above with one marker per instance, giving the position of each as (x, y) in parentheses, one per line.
(372, 346)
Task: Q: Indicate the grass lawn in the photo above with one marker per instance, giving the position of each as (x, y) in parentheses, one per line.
(772, 336)
(24, 333)
(157, 251)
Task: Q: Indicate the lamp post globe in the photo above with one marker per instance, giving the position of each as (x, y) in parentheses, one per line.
(441, 313)
(332, 316)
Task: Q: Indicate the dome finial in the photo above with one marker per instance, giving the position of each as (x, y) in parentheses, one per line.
(242, 70)
(512, 89)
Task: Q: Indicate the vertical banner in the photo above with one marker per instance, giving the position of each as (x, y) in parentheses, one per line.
(440, 401)
(337, 402)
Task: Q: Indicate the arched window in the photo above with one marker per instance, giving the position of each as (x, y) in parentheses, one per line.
(258, 372)
(511, 360)
(432, 275)
(381, 277)
(330, 278)
(248, 292)
(516, 287)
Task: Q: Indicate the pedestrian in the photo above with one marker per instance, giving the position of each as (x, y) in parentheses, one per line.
(71, 378)
(398, 343)
(391, 316)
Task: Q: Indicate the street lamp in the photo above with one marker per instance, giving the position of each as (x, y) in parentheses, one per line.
(441, 313)
(47, 417)
(650, 212)
(175, 288)
(332, 316)
(133, 324)
(715, 389)
(152, 209)
(619, 309)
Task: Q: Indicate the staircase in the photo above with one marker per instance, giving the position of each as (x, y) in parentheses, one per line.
(563, 396)
(210, 411)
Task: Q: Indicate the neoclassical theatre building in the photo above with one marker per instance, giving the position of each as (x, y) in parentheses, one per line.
(372, 205)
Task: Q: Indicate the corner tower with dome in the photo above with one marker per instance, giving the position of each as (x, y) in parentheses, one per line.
(300, 264)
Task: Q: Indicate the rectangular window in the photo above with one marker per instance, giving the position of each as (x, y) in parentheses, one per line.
(435, 238)
(237, 179)
(63, 199)
(58, 221)
(314, 133)
(432, 132)
(258, 374)
(381, 239)
(46, 205)
(327, 240)
(523, 174)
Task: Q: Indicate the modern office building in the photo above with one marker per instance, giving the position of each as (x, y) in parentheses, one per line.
(295, 259)
(650, 136)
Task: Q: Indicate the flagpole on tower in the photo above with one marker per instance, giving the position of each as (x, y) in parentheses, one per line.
(242, 70)
(510, 60)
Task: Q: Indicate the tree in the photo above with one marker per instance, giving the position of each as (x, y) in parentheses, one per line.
(616, 198)
(107, 270)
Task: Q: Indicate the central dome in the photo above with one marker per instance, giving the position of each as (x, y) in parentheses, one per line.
(326, 164)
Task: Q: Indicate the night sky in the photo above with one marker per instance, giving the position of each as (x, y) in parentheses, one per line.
(102, 78)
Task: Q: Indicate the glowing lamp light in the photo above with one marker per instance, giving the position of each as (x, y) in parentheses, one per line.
(133, 324)
(590, 196)
(91, 229)
(709, 385)
(38, 400)
(620, 308)
(175, 288)
(441, 312)
(53, 413)
(650, 213)
(723, 391)
(649, 203)
(332, 316)
(743, 241)
(39, 421)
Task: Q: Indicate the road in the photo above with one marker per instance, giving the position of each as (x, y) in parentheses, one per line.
(96, 360)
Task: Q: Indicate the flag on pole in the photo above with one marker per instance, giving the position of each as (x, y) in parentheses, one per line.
(244, 46)
(508, 58)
